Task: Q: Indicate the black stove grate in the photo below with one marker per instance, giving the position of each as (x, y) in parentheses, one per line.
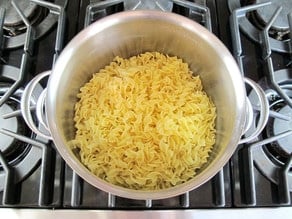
(36, 180)
(213, 194)
(197, 12)
(52, 184)
(254, 159)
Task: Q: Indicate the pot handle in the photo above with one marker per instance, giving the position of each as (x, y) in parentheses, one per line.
(43, 129)
(264, 112)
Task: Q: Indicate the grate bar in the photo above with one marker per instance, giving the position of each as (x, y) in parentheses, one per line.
(290, 27)
(99, 6)
(46, 182)
(76, 192)
(284, 192)
(158, 4)
(19, 12)
(60, 11)
(202, 10)
(28, 48)
(272, 113)
(10, 189)
(248, 176)
(264, 36)
(21, 138)
(44, 189)
(185, 200)
(267, 56)
(111, 200)
(2, 17)
(60, 34)
(272, 139)
(148, 203)
(274, 84)
(16, 113)
(235, 17)
(236, 41)
(218, 189)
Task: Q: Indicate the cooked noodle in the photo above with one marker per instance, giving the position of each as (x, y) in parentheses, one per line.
(144, 122)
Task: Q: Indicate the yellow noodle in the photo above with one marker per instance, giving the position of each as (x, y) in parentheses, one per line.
(144, 122)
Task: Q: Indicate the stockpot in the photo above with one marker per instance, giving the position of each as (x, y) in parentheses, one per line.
(130, 33)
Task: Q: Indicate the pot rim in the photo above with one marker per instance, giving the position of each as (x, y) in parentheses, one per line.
(81, 170)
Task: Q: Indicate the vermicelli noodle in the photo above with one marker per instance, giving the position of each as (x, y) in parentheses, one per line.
(145, 122)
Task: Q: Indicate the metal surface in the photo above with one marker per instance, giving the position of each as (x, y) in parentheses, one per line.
(28, 45)
(44, 25)
(264, 112)
(98, 10)
(27, 175)
(24, 165)
(130, 33)
(163, 5)
(26, 104)
(240, 19)
(12, 18)
(251, 213)
(11, 124)
(282, 125)
(264, 13)
(278, 131)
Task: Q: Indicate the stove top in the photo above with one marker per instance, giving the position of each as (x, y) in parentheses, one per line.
(32, 173)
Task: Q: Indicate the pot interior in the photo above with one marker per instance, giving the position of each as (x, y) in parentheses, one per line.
(131, 33)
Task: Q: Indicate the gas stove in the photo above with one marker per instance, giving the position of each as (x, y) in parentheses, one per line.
(36, 181)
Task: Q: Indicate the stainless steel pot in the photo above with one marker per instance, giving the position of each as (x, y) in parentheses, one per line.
(127, 34)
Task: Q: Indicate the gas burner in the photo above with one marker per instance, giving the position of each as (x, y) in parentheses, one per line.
(42, 15)
(280, 27)
(271, 158)
(195, 10)
(150, 4)
(280, 149)
(13, 24)
(281, 23)
(282, 125)
(19, 155)
(9, 145)
(258, 13)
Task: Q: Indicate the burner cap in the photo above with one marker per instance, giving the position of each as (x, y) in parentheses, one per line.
(280, 126)
(10, 124)
(265, 13)
(11, 16)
